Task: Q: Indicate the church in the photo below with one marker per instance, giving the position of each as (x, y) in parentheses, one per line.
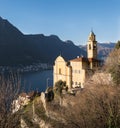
(77, 70)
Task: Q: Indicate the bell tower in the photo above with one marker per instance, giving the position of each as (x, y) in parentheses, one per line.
(92, 46)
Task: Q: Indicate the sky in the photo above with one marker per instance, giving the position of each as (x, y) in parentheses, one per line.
(68, 19)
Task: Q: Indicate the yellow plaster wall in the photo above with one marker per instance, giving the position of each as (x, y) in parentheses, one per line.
(78, 74)
(62, 71)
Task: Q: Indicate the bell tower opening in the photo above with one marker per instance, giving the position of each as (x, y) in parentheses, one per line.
(92, 46)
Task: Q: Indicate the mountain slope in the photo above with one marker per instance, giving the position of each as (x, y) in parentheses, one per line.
(17, 48)
(49, 47)
(104, 49)
(11, 44)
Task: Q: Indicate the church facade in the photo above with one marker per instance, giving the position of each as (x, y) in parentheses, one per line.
(76, 71)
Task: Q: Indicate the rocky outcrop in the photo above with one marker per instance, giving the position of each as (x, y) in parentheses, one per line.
(23, 124)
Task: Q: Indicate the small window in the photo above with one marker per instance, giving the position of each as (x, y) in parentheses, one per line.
(94, 46)
(89, 46)
(59, 70)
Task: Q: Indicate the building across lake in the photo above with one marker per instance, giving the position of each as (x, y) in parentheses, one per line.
(75, 71)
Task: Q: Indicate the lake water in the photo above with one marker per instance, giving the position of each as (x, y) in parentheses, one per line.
(37, 80)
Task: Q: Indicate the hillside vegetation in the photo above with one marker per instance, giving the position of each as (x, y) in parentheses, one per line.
(97, 105)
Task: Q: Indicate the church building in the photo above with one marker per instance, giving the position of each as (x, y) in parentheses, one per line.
(76, 71)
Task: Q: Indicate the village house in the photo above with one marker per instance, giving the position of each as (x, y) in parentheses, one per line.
(75, 71)
(23, 100)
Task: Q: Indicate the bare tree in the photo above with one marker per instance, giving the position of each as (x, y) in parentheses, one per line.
(9, 90)
(96, 106)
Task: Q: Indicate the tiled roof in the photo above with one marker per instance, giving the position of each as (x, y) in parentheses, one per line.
(83, 59)
(92, 59)
(23, 94)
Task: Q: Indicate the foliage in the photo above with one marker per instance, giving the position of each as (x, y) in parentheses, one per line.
(96, 106)
(28, 112)
(49, 94)
(113, 65)
(117, 46)
(59, 86)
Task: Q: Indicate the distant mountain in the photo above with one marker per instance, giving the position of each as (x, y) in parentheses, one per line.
(17, 48)
(103, 49)
(47, 48)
